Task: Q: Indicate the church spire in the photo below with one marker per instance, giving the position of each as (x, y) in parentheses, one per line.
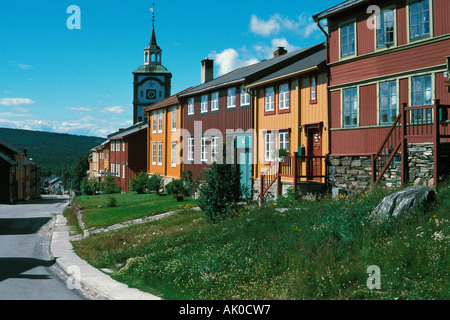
(152, 53)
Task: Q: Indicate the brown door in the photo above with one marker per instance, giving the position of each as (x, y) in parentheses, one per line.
(314, 165)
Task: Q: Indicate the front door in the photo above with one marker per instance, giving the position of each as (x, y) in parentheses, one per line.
(314, 148)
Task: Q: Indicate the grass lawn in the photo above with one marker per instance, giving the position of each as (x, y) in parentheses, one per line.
(97, 214)
(313, 250)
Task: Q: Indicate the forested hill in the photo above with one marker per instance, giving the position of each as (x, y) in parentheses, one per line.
(54, 153)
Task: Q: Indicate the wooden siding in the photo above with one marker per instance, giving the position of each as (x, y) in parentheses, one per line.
(302, 111)
(222, 120)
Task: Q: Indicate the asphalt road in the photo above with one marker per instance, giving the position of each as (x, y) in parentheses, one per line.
(27, 269)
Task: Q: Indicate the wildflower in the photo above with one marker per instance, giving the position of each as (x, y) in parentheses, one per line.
(274, 203)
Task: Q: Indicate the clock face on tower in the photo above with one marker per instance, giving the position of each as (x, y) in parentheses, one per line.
(150, 91)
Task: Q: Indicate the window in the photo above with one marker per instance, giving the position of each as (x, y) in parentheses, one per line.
(160, 121)
(123, 146)
(421, 92)
(204, 149)
(283, 97)
(123, 170)
(385, 28)
(160, 153)
(113, 146)
(154, 153)
(118, 169)
(388, 102)
(191, 106)
(350, 107)
(215, 101)
(283, 140)
(419, 19)
(190, 153)
(173, 154)
(269, 103)
(231, 98)
(214, 148)
(348, 43)
(204, 104)
(313, 89)
(154, 121)
(174, 118)
(245, 97)
(268, 146)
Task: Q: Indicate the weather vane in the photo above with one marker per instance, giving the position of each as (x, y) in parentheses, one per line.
(153, 12)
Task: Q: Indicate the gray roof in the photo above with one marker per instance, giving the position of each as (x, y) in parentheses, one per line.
(337, 8)
(253, 72)
(130, 130)
(7, 159)
(309, 61)
(10, 147)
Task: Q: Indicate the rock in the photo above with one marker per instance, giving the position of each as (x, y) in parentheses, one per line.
(401, 203)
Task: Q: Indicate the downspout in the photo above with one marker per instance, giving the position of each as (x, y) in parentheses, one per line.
(254, 136)
(327, 43)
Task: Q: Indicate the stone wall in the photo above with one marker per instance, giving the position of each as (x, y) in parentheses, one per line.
(353, 174)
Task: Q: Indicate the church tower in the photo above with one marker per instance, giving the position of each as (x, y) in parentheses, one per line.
(152, 81)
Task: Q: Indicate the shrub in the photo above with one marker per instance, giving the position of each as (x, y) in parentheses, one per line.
(218, 195)
(140, 183)
(111, 202)
(176, 186)
(89, 186)
(156, 183)
(110, 186)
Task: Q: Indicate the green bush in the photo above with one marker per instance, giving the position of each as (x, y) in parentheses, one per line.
(111, 202)
(110, 186)
(140, 183)
(219, 193)
(156, 183)
(176, 186)
(89, 186)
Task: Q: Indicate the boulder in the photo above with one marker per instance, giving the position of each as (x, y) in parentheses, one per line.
(402, 203)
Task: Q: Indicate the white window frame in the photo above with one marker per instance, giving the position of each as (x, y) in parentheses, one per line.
(214, 148)
(204, 104)
(204, 149)
(191, 110)
(283, 96)
(215, 101)
(174, 118)
(123, 146)
(118, 170)
(123, 170)
(269, 99)
(269, 146)
(154, 153)
(190, 151)
(160, 121)
(283, 140)
(160, 154)
(313, 96)
(244, 98)
(154, 121)
(231, 98)
(173, 154)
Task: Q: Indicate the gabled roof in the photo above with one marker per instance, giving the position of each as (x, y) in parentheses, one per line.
(308, 63)
(128, 131)
(7, 159)
(253, 72)
(338, 9)
(166, 102)
(11, 148)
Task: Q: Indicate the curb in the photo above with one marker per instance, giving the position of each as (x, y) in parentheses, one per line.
(88, 276)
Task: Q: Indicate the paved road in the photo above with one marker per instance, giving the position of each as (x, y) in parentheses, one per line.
(27, 270)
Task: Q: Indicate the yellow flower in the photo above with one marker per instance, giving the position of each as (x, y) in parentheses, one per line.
(274, 203)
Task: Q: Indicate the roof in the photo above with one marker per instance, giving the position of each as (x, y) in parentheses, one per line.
(151, 68)
(128, 131)
(306, 64)
(337, 9)
(166, 102)
(10, 147)
(7, 159)
(28, 162)
(253, 72)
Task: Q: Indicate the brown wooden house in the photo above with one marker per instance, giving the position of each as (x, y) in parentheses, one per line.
(388, 100)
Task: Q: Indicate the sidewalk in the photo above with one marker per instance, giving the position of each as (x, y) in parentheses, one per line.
(90, 277)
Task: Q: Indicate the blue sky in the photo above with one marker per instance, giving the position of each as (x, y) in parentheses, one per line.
(79, 81)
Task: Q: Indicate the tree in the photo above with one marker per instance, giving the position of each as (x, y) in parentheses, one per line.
(140, 183)
(79, 170)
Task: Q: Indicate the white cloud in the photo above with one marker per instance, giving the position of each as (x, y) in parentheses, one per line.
(16, 101)
(24, 66)
(229, 60)
(20, 109)
(115, 109)
(80, 109)
(303, 25)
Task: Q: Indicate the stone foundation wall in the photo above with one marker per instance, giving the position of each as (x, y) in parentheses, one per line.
(353, 174)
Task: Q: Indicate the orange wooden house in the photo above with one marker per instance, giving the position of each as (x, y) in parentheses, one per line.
(164, 138)
(291, 113)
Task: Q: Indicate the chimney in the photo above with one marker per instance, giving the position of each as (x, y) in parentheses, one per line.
(207, 70)
(279, 52)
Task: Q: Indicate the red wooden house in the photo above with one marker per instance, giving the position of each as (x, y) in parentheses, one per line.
(388, 100)
(128, 153)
